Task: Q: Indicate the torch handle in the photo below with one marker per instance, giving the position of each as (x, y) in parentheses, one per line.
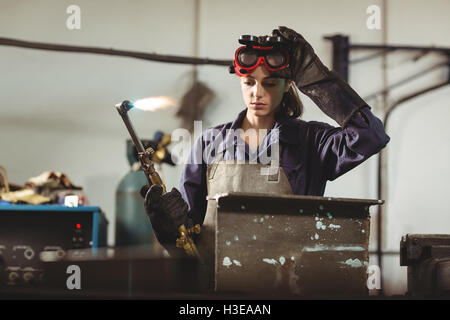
(137, 142)
(149, 169)
(144, 155)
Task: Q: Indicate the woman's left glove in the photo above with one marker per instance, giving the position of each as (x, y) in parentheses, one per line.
(331, 94)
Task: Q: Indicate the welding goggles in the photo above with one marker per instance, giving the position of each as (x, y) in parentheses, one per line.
(271, 52)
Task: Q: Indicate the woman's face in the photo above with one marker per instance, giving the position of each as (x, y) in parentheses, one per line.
(263, 94)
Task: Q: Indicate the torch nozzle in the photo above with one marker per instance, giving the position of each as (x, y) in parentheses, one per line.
(124, 107)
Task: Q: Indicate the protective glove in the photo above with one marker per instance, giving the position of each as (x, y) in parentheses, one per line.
(328, 91)
(166, 212)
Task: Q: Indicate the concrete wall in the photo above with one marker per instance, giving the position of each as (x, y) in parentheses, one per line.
(56, 109)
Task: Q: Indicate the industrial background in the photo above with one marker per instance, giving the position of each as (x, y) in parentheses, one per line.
(57, 108)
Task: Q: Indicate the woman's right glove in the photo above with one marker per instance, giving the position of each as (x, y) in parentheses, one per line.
(166, 212)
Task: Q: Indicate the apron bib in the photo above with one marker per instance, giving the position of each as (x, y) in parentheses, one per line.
(224, 176)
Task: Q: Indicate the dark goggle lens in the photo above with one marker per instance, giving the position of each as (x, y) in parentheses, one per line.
(275, 59)
(247, 58)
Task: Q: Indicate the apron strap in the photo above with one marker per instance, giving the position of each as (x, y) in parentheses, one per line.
(275, 177)
(214, 165)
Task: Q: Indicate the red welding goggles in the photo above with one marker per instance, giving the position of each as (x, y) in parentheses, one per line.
(272, 52)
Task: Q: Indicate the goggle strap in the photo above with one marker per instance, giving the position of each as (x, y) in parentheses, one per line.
(260, 48)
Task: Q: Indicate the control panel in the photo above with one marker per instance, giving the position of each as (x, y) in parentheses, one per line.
(30, 234)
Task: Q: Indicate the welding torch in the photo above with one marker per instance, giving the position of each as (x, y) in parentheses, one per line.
(145, 157)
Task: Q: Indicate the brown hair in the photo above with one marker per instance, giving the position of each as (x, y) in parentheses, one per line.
(291, 105)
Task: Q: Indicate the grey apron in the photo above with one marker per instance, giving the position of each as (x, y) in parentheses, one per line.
(224, 176)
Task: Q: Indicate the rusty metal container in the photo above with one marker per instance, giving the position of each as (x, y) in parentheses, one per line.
(291, 245)
(428, 259)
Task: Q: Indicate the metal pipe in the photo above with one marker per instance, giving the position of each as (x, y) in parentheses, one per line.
(113, 52)
(372, 56)
(411, 96)
(405, 80)
(398, 47)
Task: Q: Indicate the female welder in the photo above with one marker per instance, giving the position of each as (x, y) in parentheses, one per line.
(309, 153)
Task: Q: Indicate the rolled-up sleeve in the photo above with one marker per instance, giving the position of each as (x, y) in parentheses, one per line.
(341, 149)
(193, 183)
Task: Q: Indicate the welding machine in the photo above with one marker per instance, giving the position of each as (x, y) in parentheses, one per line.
(30, 232)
